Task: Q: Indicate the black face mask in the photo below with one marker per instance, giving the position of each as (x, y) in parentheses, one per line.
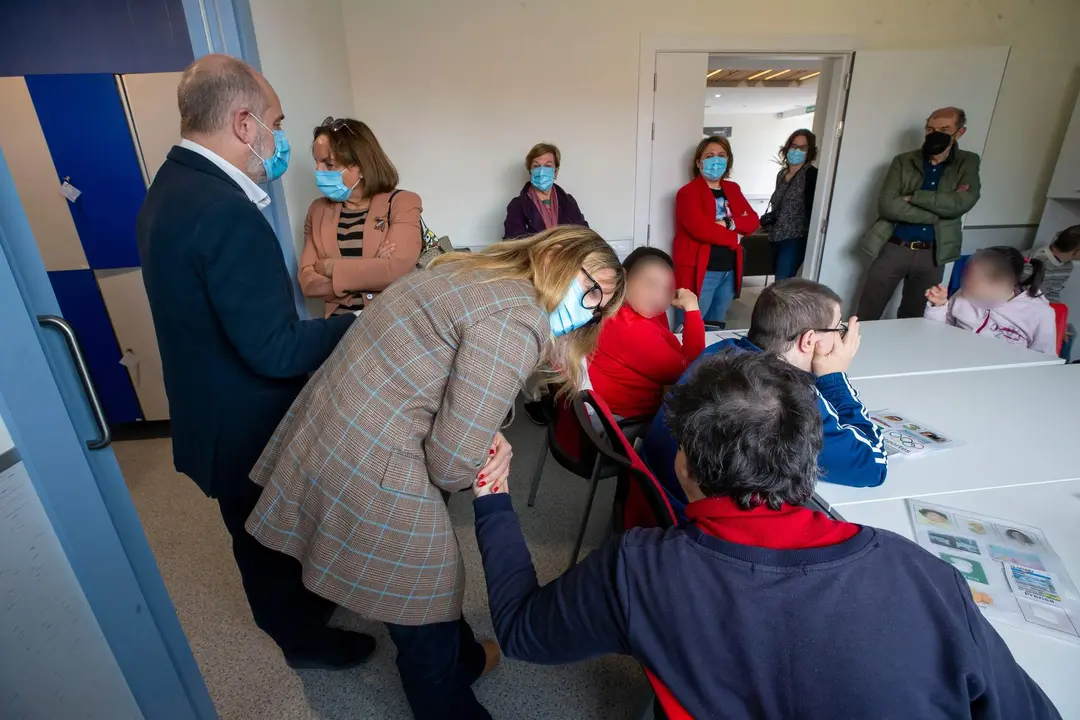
(936, 143)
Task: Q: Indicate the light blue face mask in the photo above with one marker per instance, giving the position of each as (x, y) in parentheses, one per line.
(570, 314)
(542, 178)
(796, 156)
(275, 165)
(332, 186)
(713, 168)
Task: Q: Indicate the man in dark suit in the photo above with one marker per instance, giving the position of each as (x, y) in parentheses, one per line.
(234, 351)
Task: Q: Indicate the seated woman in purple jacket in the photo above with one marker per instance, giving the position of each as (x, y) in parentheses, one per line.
(542, 204)
(758, 607)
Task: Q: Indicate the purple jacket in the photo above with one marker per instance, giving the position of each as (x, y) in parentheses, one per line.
(523, 217)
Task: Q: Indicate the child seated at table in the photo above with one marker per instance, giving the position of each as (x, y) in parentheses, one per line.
(1000, 296)
(757, 607)
(799, 320)
(637, 355)
(1058, 259)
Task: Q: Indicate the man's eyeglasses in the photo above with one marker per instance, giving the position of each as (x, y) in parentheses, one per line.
(842, 329)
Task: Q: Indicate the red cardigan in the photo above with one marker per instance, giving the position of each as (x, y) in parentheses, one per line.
(636, 357)
(696, 231)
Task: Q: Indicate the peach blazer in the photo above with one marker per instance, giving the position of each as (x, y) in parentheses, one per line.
(367, 274)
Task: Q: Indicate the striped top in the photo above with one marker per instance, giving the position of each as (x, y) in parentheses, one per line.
(350, 232)
(350, 237)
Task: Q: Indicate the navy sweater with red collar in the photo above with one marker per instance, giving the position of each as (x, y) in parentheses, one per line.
(763, 614)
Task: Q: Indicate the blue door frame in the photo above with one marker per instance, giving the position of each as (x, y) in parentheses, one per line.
(83, 491)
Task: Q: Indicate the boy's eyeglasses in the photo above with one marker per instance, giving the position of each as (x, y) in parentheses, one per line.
(842, 329)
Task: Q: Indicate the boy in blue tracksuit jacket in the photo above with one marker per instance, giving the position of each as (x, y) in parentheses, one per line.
(800, 321)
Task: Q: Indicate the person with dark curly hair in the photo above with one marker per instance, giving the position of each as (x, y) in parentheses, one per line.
(758, 607)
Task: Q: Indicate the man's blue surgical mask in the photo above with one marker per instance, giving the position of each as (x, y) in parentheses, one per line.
(713, 168)
(542, 178)
(796, 156)
(570, 314)
(332, 186)
(275, 165)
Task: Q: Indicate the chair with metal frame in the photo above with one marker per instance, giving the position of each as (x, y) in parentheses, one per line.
(577, 444)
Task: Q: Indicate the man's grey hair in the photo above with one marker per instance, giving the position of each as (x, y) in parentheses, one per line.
(212, 89)
(961, 116)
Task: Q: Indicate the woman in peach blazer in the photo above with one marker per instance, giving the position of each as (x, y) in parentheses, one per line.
(364, 233)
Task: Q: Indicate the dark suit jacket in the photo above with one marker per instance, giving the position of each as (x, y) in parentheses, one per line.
(234, 351)
(524, 219)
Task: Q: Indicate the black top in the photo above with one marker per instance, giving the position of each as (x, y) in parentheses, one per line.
(721, 259)
(234, 351)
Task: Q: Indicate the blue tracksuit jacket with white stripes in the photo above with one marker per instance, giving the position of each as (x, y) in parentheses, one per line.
(853, 453)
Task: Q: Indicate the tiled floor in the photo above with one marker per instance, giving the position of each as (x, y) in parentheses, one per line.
(245, 672)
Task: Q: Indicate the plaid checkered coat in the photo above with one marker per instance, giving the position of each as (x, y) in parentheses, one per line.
(406, 406)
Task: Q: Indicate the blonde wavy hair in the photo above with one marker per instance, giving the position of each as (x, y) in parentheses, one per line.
(551, 260)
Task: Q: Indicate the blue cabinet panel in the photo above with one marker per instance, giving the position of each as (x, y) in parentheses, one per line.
(80, 301)
(88, 137)
(92, 36)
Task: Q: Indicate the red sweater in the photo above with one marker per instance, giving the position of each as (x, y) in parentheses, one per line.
(696, 231)
(636, 357)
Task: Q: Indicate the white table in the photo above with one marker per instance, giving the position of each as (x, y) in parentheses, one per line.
(1055, 509)
(915, 346)
(1018, 427)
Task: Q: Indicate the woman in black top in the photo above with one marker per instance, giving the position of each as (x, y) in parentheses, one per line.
(792, 202)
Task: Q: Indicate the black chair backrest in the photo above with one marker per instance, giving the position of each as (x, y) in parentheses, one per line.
(637, 484)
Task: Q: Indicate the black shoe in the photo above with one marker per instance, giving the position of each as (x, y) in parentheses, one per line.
(535, 411)
(337, 650)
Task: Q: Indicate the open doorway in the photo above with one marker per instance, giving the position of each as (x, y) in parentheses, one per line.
(755, 101)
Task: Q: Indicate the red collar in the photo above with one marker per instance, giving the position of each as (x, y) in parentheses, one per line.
(789, 528)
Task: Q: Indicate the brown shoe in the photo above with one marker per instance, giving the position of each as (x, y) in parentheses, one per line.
(492, 656)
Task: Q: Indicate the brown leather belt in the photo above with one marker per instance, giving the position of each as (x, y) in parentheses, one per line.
(913, 245)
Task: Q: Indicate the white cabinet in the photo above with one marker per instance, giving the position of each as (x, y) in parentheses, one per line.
(1066, 181)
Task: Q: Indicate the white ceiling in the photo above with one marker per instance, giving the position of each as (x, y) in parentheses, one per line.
(759, 100)
(764, 62)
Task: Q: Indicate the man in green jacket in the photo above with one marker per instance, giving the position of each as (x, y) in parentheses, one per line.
(925, 194)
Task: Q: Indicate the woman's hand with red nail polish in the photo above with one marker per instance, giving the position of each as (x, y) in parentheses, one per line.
(497, 467)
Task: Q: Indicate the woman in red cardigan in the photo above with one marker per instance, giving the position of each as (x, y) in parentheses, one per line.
(710, 216)
(637, 356)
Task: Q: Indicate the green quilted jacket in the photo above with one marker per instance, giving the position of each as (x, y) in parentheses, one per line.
(943, 208)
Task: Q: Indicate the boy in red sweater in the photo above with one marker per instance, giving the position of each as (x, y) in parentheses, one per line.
(637, 355)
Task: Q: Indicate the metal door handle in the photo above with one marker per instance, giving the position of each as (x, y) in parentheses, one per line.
(77, 357)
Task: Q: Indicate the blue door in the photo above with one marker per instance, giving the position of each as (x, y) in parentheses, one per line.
(49, 407)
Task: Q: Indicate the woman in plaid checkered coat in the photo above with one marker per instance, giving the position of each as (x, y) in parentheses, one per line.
(407, 410)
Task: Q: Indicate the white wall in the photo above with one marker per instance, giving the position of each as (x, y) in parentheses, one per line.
(755, 142)
(457, 92)
(302, 51)
(6, 443)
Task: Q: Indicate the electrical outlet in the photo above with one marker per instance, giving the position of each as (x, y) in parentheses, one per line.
(622, 248)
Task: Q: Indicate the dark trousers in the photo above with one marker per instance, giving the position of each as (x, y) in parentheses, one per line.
(787, 256)
(283, 608)
(916, 268)
(438, 664)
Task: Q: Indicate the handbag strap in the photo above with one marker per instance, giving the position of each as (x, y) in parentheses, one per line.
(390, 205)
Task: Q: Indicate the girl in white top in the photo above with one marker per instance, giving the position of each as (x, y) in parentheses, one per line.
(1000, 296)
